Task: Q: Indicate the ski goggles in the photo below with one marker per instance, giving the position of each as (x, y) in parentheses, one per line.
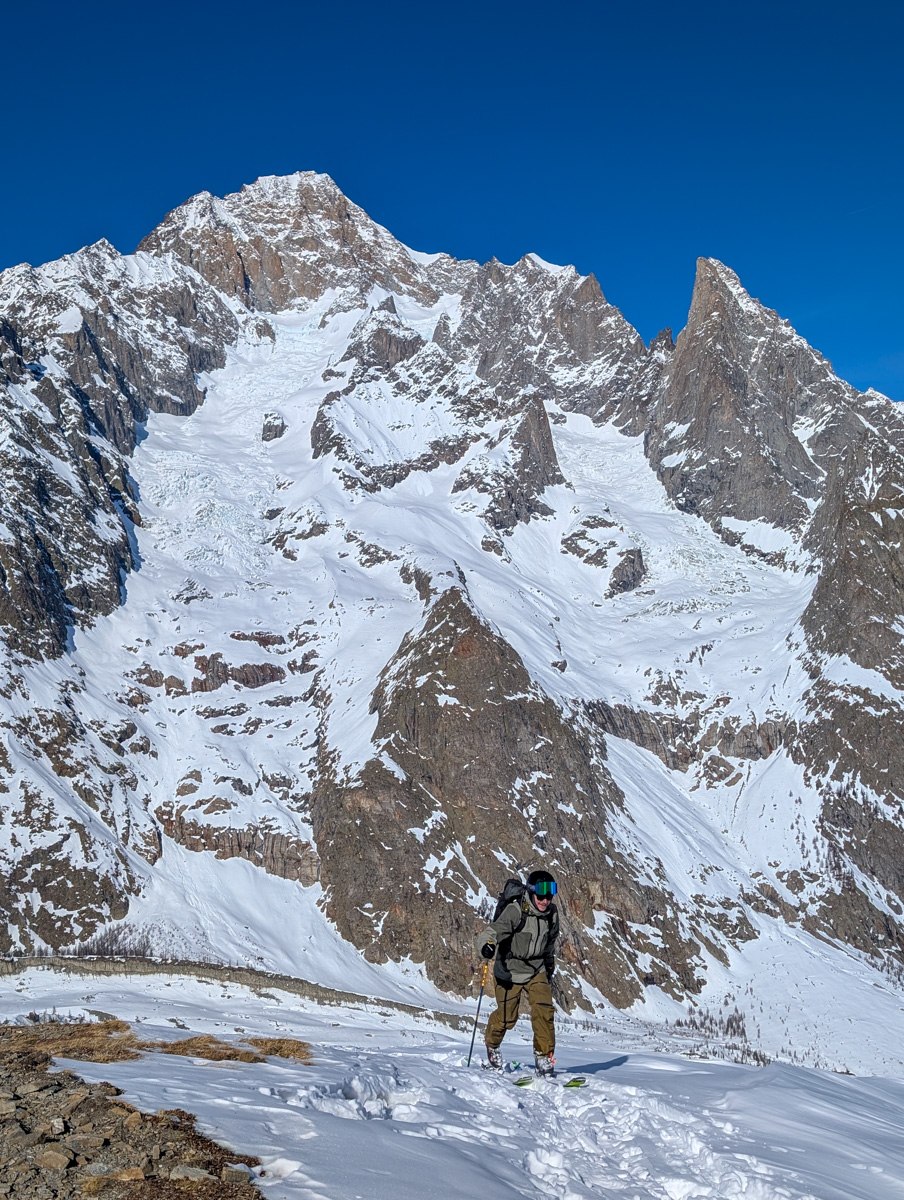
(545, 888)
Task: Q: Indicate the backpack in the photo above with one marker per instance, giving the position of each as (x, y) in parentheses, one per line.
(514, 890)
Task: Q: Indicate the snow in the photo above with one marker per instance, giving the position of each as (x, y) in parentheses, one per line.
(698, 591)
(764, 536)
(422, 259)
(369, 421)
(845, 673)
(388, 1110)
(424, 320)
(70, 321)
(202, 908)
(552, 268)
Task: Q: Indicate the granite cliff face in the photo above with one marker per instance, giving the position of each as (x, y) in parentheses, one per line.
(381, 576)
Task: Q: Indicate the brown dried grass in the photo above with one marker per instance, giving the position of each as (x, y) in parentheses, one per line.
(204, 1045)
(114, 1041)
(94, 1186)
(100, 1041)
(291, 1048)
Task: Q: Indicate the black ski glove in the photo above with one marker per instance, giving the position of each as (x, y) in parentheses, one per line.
(488, 950)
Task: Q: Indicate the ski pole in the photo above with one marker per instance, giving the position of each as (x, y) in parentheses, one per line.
(483, 980)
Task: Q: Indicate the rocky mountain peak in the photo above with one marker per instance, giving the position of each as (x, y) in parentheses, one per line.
(729, 431)
(396, 588)
(286, 238)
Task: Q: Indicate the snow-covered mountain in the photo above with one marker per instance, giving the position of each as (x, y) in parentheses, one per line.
(392, 575)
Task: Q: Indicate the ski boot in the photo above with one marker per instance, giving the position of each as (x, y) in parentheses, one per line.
(494, 1059)
(545, 1065)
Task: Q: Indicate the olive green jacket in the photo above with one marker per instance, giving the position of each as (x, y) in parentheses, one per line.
(521, 955)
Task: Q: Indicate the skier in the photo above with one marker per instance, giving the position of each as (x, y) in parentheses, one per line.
(523, 937)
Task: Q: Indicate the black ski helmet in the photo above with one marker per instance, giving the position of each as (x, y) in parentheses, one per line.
(543, 878)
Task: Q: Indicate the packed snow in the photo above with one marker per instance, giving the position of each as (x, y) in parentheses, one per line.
(388, 1109)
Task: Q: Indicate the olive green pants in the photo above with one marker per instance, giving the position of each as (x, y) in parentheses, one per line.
(508, 1002)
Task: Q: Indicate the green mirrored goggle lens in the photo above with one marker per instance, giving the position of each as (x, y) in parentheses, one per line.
(545, 889)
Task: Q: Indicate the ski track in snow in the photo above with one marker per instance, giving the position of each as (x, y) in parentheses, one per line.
(388, 1110)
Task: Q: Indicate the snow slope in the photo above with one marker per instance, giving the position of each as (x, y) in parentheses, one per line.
(708, 619)
(207, 483)
(387, 1109)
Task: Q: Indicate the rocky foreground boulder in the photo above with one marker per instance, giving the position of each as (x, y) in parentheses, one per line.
(60, 1136)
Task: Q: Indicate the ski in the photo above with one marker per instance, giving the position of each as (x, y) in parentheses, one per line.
(506, 1072)
(575, 1082)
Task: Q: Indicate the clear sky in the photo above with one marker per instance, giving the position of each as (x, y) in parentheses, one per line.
(624, 138)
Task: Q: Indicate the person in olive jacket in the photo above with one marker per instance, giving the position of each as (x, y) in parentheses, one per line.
(523, 939)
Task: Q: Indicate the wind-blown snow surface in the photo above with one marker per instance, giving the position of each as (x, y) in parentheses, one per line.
(241, 535)
(387, 1108)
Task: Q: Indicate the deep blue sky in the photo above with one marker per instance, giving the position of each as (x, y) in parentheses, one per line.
(627, 139)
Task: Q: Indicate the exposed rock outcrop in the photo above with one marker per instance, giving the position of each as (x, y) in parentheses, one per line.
(627, 573)
(64, 1137)
(722, 429)
(478, 775)
(271, 849)
(283, 239)
(516, 469)
(89, 347)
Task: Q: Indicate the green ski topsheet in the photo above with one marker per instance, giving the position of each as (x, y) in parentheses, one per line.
(575, 1082)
